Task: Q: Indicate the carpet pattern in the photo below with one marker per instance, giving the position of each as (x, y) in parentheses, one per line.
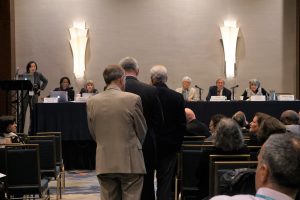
(80, 184)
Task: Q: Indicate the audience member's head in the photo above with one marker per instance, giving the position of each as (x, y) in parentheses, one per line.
(268, 127)
(214, 120)
(130, 65)
(289, 117)
(240, 119)
(228, 135)
(279, 164)
(7, 124)
(220, 82)
(114, 74)
(186, 83)
(158, 74)
(258, 118)
(189, 114)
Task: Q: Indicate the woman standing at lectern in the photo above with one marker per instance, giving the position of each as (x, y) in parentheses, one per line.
(39, 82)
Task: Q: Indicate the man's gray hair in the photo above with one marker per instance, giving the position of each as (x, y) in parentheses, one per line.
(281, 153)
(228, 135)
(158, 74)
(289, 117)
(129, 63)
(112, 73)
(187, 78)
(255, 82)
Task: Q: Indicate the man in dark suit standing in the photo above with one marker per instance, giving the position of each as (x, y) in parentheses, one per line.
(219, 90)
(154, 119)
(170, 136)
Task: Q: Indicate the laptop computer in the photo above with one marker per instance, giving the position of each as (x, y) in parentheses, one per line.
(61, 95)
(26, 77)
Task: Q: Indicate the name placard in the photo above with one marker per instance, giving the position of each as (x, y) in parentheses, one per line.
(258, 98)
(286, 97)
(81, 99)
(50, 100)
(218, 98)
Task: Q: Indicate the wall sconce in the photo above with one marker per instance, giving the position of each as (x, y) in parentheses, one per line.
(229, 34)
(78, 44)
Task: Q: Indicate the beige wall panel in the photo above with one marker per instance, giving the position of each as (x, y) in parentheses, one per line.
(184, 35)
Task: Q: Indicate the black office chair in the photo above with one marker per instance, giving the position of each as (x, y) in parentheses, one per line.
(23, 172)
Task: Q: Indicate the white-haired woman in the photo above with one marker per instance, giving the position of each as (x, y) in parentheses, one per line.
(254, 89)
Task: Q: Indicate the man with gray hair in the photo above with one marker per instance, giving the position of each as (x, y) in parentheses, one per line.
(154, 118)
(170, 135)
(189, 93)
(290, 119)
(278, 170)
(116, 123)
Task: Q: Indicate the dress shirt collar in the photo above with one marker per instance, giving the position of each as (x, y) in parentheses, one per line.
(272, 194)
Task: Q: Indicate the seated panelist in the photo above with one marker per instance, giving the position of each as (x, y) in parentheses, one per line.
(254, 89)
(219, 90)
(89, 87)
(65, 84)
(189, 93)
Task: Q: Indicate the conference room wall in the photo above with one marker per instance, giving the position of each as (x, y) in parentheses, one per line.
(184, 35)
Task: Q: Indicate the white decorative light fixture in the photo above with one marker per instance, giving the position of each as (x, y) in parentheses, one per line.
(229, 35)
(78, 44)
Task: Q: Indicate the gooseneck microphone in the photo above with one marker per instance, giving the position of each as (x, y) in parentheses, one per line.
(235, 86)
(196, 86)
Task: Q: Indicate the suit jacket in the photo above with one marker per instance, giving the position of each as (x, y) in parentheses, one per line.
(193, 94)
(213, 92)
(117, 124)
(152, 113)
(170, 136)
(197, 128)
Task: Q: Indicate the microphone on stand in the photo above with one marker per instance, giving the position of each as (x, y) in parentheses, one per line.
(196, 86)
(232, 88)
(200, 91)
(17, 73)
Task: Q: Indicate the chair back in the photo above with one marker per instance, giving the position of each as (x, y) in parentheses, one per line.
(254, 150)
(190, 158)
(213, 158)
(58, 144)
(234, 177)
(47, 153)
(23, 169)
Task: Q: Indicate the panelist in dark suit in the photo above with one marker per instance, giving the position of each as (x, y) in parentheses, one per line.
(65, 84)
(154, 119)
(219, 90)
(170, 136)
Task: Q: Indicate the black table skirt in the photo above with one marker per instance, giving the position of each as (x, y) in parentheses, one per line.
(79, 148)
(204, 110)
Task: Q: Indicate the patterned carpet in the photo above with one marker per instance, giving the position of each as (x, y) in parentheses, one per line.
(80, 184)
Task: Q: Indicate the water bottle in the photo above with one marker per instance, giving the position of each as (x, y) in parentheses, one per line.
(272, 96)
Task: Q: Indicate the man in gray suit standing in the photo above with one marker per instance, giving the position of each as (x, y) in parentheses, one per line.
(117, 124)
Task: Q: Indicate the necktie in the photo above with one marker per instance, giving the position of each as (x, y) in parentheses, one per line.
(218, 92)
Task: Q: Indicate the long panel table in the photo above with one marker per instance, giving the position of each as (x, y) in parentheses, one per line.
(79, 148)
